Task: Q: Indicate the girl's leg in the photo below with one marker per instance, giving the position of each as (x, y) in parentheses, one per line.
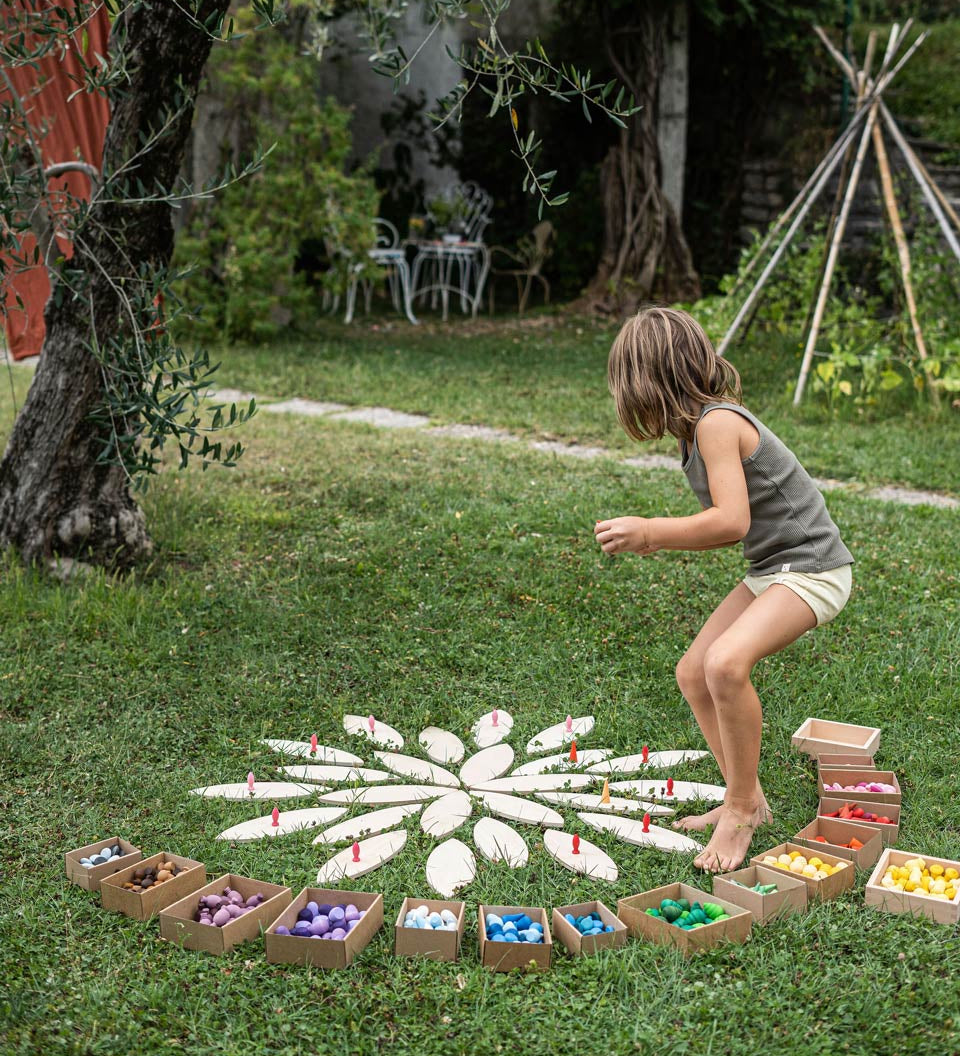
(770, 623)
(693, 686)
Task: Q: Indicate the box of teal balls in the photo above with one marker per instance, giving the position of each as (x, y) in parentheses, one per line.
(683, 916)
(324, 927)
(514, 937)
(88, 866)
(587, 927)
(431, 928)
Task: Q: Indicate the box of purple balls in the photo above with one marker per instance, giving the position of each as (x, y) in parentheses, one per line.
(429, 927)
(324, 927)
(87, 866)
(588, 927)
(228, 911)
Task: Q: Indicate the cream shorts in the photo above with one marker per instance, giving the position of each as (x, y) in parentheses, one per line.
(825, 592)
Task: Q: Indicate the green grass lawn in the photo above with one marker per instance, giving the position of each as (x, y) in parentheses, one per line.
(546, 377)
(340, 569)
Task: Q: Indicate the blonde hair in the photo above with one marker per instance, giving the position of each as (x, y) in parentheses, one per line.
(662, 370)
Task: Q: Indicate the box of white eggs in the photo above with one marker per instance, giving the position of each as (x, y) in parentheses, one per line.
(429, 927)
(227, 911)
(825, 875)
(87, 866)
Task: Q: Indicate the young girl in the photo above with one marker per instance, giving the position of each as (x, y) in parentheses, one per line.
(666, 378)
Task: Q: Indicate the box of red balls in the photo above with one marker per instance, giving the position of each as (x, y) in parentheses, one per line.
(734, 926)
(830, 876)
(869, 786)
(506, 955)
(860, 844)
(440, 935)
(163, 879)
(227, 911)
(917, 884)
(581, 943)
(324, 927)
(881, 817)
(87, 866)
(750, 888)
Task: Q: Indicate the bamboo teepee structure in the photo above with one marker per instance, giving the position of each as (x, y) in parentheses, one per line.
(864, 130)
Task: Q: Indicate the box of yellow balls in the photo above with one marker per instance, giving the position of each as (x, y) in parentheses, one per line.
(825, 875)
(918, 884)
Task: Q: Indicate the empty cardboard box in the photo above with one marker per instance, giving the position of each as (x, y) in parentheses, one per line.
(850, 776)
(830, 886)
(429, 942)
(505, 956)
(906, 901)
(90, 879)
(142, 905)
(817, 736)
(579, 945)
(633, 912)
(177, 923)
(889, 831)
(836, 834)
(790, 896)
(324, 953)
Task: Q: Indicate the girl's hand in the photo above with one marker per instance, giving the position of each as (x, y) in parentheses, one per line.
(623, 534)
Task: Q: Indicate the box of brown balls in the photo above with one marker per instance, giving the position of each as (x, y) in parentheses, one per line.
(141, 890)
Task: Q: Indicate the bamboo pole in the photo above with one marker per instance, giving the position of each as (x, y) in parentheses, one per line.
(833, 254)
(814, 194)
(918, 175)
(903, 250)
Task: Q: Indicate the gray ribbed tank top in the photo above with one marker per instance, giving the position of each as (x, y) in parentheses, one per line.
(790, 529)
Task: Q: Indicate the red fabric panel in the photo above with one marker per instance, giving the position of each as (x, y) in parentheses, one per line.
(66, 129)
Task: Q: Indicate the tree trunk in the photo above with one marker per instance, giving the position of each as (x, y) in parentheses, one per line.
(56, 500)
(644, 253)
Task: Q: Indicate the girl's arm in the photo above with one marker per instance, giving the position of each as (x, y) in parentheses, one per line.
(719, 438)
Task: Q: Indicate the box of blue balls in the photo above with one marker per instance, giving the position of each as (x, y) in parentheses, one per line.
(683, 916)
(87, 866)
(514, 937)
(324, 927)
(228, 911)
(588, 927)
(428, 927)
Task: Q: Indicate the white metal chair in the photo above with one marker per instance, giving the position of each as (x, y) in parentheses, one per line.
(389, 254)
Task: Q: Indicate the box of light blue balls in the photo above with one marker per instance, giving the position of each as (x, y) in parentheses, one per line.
(514, 937)
(428, 927)
(588, 927)
(89, 865)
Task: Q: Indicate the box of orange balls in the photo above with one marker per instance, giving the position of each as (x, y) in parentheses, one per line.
(917, 884)
(825, 875)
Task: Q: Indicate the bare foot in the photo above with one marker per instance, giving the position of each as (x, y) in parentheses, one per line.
(730, 841)
(699, 822)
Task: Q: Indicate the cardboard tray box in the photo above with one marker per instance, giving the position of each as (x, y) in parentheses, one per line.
(826, 776)
(579, 945)
(505, 956)
(823, 889)
(888, 833)
(843, 761)
(90, 879)
(837, 833)
(905, 901)
(790, 896)
(177, 923)
(324, 953)
(821, 735)
(426, 942)
(142, 905)
(632, 911)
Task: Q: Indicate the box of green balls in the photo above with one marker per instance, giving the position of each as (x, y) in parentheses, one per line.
(683, 916)
(767, 893)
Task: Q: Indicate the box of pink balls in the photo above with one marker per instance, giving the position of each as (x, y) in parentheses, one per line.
(227, 911)
(325, 928)
(868, 786)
